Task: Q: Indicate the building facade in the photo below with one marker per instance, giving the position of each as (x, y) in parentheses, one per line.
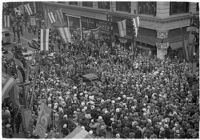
(162, 24)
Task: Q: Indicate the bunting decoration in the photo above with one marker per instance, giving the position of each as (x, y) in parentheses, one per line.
(136, 24)
(65, 34)
(44, 39)
(60, 16)
(28, 9)
(6, 21)
(51, 17)
(122, 28)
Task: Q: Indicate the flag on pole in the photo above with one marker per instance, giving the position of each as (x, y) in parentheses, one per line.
(51, 17)
(44, 39)
(28, 9)
(65, 34)
(122, 28)
(136, 24)
(6, 22)
(60, 16)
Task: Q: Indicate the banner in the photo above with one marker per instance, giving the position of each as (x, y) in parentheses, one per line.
(122, 28)
(28, 9)
(65, 34)
(51, 17)
(44, 39)
(43, 120)
(60, 16)
(136, 24)
(6, 19)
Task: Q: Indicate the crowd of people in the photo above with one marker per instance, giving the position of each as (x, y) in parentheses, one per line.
(135, 95)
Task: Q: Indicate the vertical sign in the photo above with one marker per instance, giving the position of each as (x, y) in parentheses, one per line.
(43, 120)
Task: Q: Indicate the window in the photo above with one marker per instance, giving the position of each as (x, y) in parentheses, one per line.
(179, 7)
(123, 6)
(104, 5)
(147, 8)
(73, 3)
(197, 7)
(87, 4)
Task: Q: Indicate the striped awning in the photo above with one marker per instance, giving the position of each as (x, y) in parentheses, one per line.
(79, 132)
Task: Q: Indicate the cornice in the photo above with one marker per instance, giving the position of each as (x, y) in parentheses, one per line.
(147, 18)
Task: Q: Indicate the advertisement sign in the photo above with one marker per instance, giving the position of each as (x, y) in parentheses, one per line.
(43, 120)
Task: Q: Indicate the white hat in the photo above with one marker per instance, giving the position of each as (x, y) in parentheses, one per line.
(119, 98)
(90, 132)
(117, 110)
(82, 103)
(82, 127)
(65, 116)
(102, 101)
(113, 101)
(85, 107)
(81, 93)
(65, 126)
(118, 135)
(74, 87)
(100, 118)
(124, 96)
(49, 105)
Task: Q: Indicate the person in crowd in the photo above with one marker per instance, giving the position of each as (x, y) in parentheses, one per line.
(141, 98)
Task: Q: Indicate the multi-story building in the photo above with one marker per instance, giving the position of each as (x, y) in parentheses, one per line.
(162, 24)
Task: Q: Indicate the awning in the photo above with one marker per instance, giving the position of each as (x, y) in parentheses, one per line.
(79, 132)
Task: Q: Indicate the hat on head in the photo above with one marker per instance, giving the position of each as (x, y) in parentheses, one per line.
(65, 126)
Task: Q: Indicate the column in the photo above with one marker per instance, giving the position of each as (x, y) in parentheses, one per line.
(161, 45)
